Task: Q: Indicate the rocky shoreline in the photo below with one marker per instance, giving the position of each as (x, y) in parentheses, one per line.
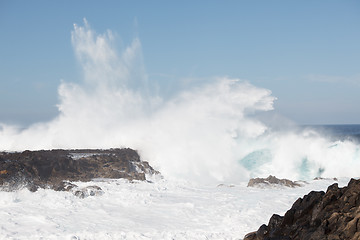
(55, 169)
(318, 215)
(329, 215)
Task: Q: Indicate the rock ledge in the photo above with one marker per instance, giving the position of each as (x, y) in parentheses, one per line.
(54, 168)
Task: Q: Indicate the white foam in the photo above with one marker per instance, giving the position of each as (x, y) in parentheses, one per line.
(160, 210)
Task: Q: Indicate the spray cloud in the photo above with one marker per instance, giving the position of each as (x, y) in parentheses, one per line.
(204, 133)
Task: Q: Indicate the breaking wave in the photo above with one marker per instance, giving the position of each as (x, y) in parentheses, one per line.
(205, 133)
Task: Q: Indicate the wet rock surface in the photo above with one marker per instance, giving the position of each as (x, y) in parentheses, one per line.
(89, 191)
(55, 168)
(271, 181)
(318, 215)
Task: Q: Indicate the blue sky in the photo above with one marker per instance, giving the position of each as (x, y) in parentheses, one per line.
(306, 52)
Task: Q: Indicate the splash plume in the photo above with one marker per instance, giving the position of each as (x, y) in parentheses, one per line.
(204, 133)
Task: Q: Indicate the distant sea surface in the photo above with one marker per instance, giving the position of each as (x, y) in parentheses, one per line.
(338, 132)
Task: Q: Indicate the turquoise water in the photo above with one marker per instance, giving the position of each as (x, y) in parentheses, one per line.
(308, 152)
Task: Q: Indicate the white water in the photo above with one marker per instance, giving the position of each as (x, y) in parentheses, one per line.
(205, 133)
(159, 210)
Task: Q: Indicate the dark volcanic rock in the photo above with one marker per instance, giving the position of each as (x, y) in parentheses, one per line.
(89, 191)
(50, 168)
(318, 215)
(271, 181)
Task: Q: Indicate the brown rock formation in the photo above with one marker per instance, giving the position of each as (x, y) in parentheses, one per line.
(52, 168)
(318, 215)
(271, 181)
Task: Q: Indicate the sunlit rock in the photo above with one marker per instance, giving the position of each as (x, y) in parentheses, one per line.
(318, 215)
(55, 168)
(271, 181)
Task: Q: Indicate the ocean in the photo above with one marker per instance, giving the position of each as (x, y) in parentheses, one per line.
(339, 131)
(174, 208)
(160, 209)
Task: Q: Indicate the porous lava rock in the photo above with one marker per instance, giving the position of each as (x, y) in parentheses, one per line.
(55, 168)
(271, 181)
(333, 215)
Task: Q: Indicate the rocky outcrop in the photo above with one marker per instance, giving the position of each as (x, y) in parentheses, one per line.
(54, 168)
(330, 216)
(271, 181)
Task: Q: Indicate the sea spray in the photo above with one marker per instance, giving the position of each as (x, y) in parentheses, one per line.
(206, 133)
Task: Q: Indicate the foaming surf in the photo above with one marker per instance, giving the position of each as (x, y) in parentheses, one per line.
(206, 133)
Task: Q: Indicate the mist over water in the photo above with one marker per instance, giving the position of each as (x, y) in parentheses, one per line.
(207, 133)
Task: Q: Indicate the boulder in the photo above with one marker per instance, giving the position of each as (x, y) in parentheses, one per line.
(89, 191)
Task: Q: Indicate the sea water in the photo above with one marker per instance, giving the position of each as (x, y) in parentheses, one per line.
(160, 209)
(339, 131)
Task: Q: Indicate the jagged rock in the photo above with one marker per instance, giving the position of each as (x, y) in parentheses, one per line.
(271, 181)
(318, 215)
(321, 178)
(50, 168)
(89, 191)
